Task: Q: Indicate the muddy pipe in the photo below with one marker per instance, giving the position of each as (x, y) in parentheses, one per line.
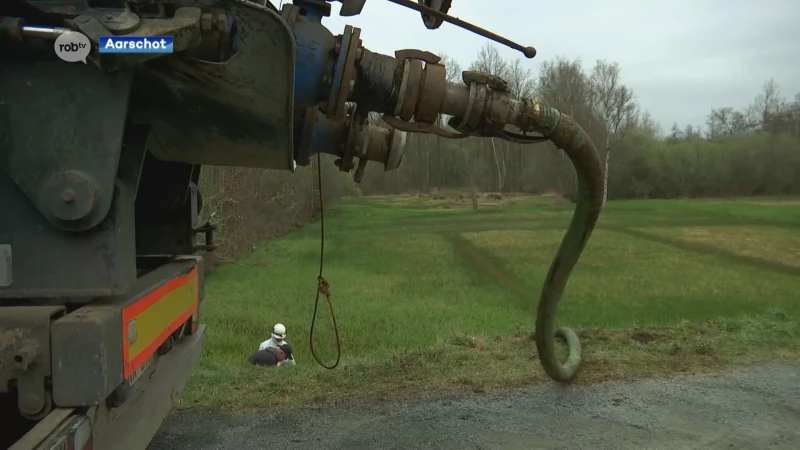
(482, 106)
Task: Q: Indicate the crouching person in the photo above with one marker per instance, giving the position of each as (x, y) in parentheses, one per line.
(278, 340)
(272, 356)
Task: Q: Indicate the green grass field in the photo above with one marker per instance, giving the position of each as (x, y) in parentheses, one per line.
(432, 297)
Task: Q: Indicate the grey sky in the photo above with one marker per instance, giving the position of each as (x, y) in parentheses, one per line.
(681, 57)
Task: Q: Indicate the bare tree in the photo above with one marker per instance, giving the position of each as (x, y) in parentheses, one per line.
(614, 104)
(648, 125)
(563, 84)
(769, 103)
(675, 134)
(489, 61)
(521, 81)
(452, 74)
(728, 121)
(451, 66)
(521, 85)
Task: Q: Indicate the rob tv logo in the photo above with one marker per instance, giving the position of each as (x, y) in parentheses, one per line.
(73, 46)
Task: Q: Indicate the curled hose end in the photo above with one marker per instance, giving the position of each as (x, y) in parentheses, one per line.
(564, 372)
(567, 135)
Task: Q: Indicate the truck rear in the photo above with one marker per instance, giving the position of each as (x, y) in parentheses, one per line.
(99, 327)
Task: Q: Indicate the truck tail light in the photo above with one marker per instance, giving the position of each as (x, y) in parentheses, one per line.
(77, 435)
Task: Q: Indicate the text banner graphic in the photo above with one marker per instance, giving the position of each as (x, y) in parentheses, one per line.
(135, 44)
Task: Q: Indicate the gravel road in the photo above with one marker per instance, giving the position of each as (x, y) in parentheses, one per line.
(752, 409)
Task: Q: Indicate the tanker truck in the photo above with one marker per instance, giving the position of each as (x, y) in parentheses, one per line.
(101, 278)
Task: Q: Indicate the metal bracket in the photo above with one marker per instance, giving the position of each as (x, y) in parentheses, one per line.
(421, 127)
(493, 81)
(207, 229)
(25, 356)
(199, 107)
(351, 7)
(69, 179)
(422, 55)
(433, 22)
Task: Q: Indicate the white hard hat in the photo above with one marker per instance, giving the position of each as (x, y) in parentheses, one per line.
(279, 331)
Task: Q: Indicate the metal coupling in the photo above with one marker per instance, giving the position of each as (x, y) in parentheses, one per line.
(421, 94)
(422, 87)
(370, 143)
(356, 139)
(379, 144)
(483, 107)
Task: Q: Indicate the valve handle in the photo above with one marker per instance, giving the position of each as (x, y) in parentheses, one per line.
(428, 14)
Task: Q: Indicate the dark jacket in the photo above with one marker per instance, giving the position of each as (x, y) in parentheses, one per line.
(271, 356)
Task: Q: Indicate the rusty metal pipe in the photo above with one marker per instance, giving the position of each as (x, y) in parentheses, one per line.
(456, 99)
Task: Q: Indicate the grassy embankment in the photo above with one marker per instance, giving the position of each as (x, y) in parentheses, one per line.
(433, 297)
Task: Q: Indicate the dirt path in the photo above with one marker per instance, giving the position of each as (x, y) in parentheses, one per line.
(753, 409)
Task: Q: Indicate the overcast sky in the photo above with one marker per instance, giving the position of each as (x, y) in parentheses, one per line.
(681, 57)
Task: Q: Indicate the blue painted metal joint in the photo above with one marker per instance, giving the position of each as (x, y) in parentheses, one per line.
(314, 10)
(320, 135)
(313, 62)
